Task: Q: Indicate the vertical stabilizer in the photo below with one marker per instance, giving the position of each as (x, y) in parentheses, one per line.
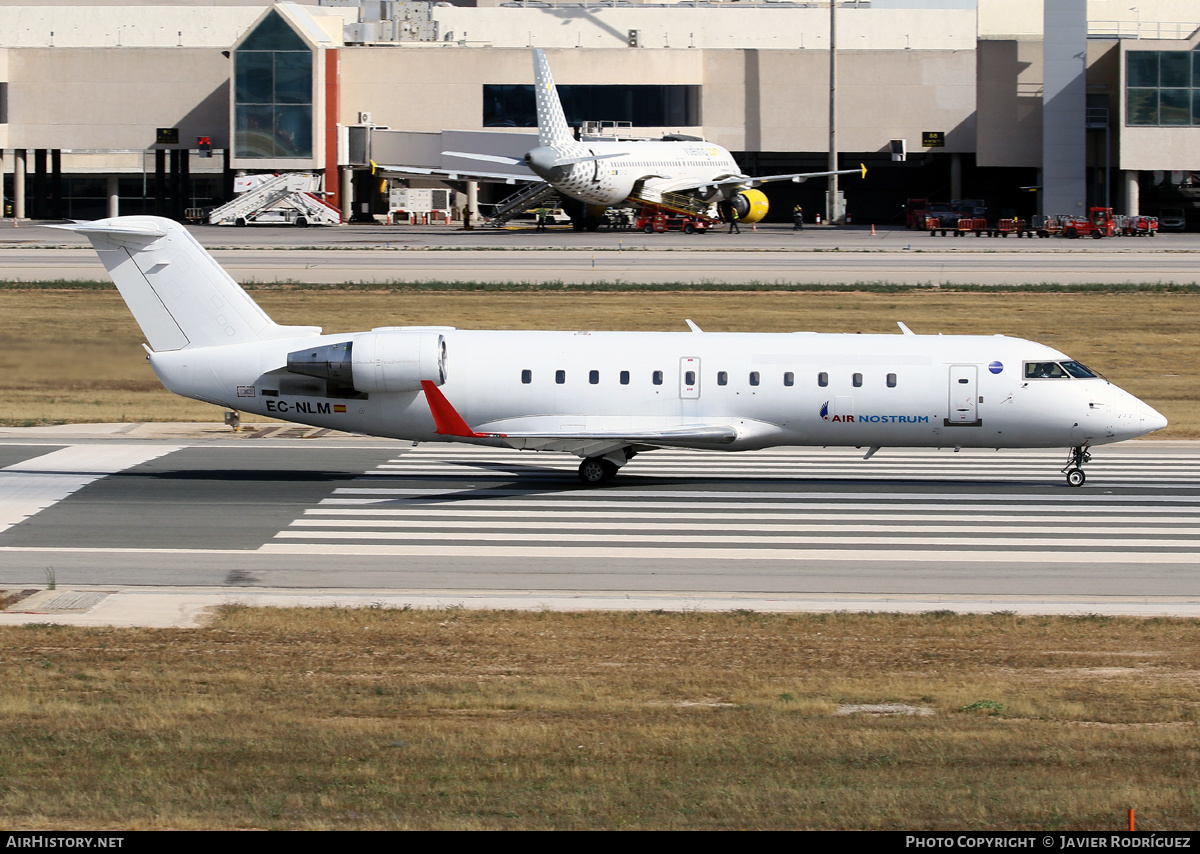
(178, 294)
(552, 122)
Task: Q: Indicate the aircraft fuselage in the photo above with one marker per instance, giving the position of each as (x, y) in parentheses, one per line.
(771, 389)
(652, 167)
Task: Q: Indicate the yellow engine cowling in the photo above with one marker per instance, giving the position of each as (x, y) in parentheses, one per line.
(750, 205)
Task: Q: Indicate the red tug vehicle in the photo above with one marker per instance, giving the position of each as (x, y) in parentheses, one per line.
(1099, 222)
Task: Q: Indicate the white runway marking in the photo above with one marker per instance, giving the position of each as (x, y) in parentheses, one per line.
(31, 486)
(473, 502)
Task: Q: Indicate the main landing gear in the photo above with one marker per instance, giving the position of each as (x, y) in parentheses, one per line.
(597, 470)
(1074, 467)
(601, 469)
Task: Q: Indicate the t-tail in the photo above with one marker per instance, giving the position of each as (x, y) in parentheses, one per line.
(552, 122)
(179, 295)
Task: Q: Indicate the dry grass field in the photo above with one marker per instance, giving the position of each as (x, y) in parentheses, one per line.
(453, 719)
(74, 355)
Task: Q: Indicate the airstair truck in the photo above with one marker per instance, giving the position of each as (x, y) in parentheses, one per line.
(286, 198)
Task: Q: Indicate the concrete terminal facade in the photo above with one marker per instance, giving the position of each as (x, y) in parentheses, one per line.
(1036, 107)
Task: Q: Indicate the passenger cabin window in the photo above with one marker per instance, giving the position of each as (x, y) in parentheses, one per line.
(789, 379)
(754, 378)
(689, 377)
(891, 380)
(858, 380)
(657, 377)
(822, 379)
(722, 378)
(593, 377)
(527, 376)
(624, 377)
(560, 377)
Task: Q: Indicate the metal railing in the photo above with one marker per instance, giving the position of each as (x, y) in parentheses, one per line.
(1142, 29)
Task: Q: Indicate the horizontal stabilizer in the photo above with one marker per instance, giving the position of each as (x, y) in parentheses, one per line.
(567, 161)
(491, 158)
(460, 174)
(114, 229)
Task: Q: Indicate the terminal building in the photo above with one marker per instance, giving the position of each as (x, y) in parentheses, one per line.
(1035, 106)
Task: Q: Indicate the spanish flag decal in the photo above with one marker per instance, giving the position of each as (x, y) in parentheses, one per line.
(339, 407)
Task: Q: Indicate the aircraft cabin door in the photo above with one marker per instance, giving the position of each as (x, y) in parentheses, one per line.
(964, 396)
(689, 378)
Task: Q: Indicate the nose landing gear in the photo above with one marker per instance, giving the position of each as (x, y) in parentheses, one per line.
(1074, 467)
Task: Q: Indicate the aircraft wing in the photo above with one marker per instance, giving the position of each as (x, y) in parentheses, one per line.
(804, 176)
(754, 181)
(594, 444)
(585, 443)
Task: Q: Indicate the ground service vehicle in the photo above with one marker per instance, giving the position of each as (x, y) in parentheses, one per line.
(1137, 226)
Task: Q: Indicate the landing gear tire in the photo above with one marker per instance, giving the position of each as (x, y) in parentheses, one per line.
(596, 470)
(1076, 460)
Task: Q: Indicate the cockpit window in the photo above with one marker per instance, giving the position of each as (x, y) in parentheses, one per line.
(1044, 371)
(1080, 372)
(1057, 371)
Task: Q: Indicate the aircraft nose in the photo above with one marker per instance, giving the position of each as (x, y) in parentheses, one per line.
(1152, 419)
(1137, 418)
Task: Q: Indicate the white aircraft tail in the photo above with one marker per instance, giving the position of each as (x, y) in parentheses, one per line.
(178, 293)
(552, 122)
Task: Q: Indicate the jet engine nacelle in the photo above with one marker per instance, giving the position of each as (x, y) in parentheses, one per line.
(750, 205)
(377, 361)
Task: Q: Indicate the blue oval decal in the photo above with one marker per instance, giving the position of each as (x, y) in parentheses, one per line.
(996, 367)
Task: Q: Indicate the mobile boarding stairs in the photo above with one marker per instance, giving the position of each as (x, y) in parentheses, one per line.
(289, 197)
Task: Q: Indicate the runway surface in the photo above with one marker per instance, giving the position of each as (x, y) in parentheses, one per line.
(768, 530)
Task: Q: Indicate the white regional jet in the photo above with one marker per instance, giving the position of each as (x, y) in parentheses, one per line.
(603, 396)
(685, 174)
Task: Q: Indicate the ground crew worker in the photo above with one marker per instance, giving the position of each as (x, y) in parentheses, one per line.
(797, 218)
(729, 215)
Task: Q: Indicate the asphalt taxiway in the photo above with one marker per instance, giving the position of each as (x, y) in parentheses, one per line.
(772, 254)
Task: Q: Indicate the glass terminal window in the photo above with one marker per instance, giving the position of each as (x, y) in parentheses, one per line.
(649, 105)
(1162, 87)
(272, 93)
